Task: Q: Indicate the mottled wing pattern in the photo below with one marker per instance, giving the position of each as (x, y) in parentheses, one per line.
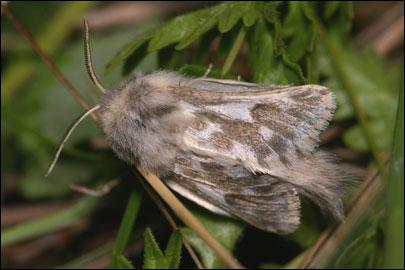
(261, 127)
(260, 200)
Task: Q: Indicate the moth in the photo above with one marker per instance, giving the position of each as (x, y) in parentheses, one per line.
(238, 149)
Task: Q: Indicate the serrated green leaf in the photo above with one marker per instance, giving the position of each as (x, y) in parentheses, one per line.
(128, 50)
(300, 32)
(176, 29)
(270, 13)
(251, 15)
(225, 230)
(201, 25)
(309, 13)
(294, 67)
(187, 28)
(122, 262)
(173, 250)
(154, 258)
(265, 67)
(134, 59)
(231, 14)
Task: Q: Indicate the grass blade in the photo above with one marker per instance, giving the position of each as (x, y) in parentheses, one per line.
(125, 229)
(394, 243)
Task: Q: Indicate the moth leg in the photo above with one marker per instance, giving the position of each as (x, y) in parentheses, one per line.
(205, 76)
(208, 71)
(105, 189)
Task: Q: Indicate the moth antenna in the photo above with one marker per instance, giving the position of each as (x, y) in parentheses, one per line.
(207, 72)
(87, 58)
(67, 135)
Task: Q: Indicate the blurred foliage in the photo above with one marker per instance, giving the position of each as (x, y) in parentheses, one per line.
(284, 47)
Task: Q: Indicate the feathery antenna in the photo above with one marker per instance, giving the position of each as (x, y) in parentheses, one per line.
(67, 136)
(87, 58)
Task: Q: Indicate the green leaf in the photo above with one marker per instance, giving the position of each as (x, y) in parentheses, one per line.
(176, 29)
(185, 29)
(270, 13)
(225, 230)
(251, 14)
(125, 229)
(121, 262)
(173, 250)
(128, 50)
(233, 12)
(154, 258)
(201, 25)
(263, 64)
(394, 243)
(296, 30)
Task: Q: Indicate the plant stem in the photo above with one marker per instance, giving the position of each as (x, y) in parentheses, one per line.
(234, 51)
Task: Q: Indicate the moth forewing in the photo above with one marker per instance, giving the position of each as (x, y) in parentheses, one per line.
(240, 149)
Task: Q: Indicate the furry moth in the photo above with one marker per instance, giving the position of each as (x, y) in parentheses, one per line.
(239, 149)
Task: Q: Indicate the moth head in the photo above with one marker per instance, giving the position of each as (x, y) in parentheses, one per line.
(127, 112)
